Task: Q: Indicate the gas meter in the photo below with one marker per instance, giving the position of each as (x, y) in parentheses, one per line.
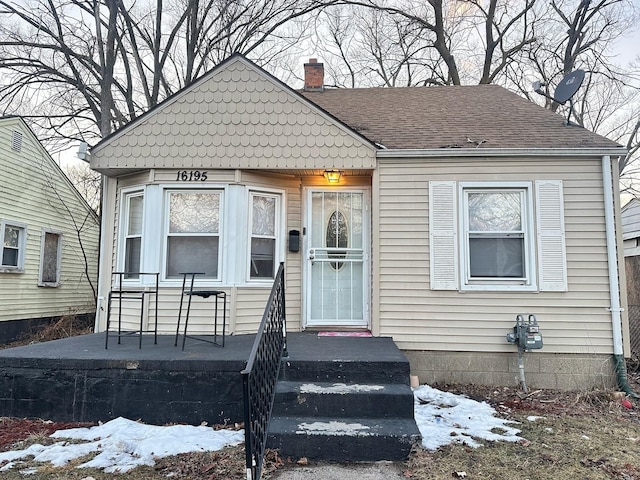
(526, 333)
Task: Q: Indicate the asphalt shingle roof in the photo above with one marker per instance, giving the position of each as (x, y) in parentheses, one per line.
(452, 117)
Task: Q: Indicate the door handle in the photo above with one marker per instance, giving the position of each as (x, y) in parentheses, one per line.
(312, 254)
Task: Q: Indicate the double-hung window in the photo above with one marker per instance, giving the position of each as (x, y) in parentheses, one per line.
(13, 239)
(133, 214)
(263, 235)
(193, 232)
(497, 236)
(50, 257)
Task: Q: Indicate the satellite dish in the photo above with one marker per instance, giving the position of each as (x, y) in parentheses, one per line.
(568, 86)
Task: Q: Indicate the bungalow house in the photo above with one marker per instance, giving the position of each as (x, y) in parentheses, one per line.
(432, 215)
(48, 235)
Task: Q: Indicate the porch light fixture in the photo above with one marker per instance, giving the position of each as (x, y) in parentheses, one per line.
(332, 176)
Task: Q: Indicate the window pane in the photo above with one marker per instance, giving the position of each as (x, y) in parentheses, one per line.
(194, 212)
(495, 212)
(337, 233)
(496, 257)
(50, 258)
(11, 237)
(262, 257)
(264, 215)
(135, 215)
(192, 254)
(10, 257)
(132, 259)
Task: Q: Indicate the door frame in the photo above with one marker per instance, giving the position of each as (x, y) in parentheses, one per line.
(366, 251)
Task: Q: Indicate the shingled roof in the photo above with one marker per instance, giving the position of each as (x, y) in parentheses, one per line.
(479, 116)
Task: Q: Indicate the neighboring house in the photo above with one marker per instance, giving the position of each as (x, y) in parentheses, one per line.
(457, 208)
(631, 239)
(48, 235)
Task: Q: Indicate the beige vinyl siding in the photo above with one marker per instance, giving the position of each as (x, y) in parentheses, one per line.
(34, 192)
(576, 321)
(234, 117)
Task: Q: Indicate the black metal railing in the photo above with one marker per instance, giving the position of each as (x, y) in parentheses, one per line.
(260, 376)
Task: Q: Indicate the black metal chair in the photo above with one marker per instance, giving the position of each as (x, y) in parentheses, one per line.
(121, 291)
(190, 292)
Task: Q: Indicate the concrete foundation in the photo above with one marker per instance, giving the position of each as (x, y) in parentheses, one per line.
(542, 370)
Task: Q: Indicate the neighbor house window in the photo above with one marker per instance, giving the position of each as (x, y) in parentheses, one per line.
(13, 238)
(193, 232)
(50, 257)
(132, 222)
(496, 235)
(263, 241)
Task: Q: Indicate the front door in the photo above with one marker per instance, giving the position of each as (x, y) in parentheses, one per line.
(337, 290)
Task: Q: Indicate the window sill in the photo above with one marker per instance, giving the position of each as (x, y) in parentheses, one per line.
(49, 285)
(11, 270)
(499, 288)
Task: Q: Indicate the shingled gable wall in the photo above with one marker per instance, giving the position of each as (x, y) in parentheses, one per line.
(235, 117)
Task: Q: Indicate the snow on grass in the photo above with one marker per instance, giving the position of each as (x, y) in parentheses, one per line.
(122, 445)
(445, 418)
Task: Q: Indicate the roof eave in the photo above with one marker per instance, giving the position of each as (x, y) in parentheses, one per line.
(501, 152)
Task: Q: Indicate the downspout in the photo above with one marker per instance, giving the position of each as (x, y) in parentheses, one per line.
(614, 286)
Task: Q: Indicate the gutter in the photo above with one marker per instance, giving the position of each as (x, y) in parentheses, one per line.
(500, 152)
(614, 286)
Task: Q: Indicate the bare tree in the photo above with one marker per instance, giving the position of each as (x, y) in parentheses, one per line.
(91, 66)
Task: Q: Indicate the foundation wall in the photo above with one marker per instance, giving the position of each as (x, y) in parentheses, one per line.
(542, 370)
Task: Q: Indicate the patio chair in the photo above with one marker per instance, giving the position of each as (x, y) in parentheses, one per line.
(123, 291)
(189, 292)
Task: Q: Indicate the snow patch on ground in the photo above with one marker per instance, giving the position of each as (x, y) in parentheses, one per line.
(445, 418)
(122, 445)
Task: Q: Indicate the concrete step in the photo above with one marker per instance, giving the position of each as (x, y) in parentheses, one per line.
(346, 439)
(341, 400)
(346, 371)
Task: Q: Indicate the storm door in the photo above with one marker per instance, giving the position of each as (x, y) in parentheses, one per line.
(337, 289)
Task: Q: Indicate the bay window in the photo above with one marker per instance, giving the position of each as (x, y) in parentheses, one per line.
(264, 210)
(132, 220)
(193, 232)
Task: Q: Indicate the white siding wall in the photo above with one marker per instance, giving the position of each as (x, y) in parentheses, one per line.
(34, 191)
(418, 318)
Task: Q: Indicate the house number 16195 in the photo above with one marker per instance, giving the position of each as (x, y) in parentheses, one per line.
(191, 176)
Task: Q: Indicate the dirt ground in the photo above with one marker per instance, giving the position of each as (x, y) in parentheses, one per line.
(565, 435)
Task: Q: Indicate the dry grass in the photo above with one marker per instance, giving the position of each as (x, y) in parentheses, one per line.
(579, 435)
(66, 326)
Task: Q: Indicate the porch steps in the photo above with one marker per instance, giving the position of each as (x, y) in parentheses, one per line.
(345, 410)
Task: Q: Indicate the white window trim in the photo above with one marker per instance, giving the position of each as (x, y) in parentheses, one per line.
(181, 188)
(279, 195)
(529, 231)
(21, 247)
(41, 283)
(125, 195)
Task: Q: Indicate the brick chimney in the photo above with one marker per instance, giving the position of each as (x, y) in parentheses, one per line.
(313, 76)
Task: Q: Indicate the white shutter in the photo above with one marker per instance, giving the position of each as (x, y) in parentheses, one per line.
(552, 256)
(443, 243)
